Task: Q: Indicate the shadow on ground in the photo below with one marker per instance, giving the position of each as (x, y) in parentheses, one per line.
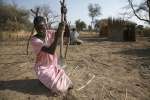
(94, 39)
(142, 56)
(101, 39)
(29, 86)
(143, 53)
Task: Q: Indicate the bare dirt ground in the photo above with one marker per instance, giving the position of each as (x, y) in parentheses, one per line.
(121, 70)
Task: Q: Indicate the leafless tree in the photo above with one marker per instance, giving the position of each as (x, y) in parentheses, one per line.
(141, 10)
(46, 11)
(94, 11)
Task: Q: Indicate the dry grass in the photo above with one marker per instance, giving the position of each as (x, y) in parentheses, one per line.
(21, 35)
(115, 65)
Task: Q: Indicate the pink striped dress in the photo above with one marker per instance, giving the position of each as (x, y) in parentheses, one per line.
(47, 68)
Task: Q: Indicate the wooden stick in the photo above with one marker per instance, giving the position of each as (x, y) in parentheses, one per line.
(86, 83)
(67, 48)
(102, 92)
(62, 34)
(72, 71)
(36, 14)
(29, 40)
(68, 42)
(126, 94)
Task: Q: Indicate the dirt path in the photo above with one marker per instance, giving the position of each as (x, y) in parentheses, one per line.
(121, 70)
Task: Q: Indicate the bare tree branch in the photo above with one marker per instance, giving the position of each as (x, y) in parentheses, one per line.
(135, 13)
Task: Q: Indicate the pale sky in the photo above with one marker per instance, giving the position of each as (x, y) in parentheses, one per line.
(78, 9)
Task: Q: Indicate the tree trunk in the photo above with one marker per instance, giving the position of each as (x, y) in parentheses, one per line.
(92, 23)
(148, 5)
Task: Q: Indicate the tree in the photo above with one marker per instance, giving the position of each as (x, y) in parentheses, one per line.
(80, 25)
(97, 25)
(94, 11)
(46, 11)
(142, 10)
(13, 18)
(89, 27)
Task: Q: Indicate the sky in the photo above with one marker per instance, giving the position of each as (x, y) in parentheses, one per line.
(78, 9)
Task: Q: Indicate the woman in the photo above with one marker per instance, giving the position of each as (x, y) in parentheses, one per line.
(44, 44)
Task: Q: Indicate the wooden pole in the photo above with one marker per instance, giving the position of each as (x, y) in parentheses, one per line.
(62, 34)
(36, 14)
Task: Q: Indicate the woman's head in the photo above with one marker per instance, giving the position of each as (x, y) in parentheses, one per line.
(40, 24)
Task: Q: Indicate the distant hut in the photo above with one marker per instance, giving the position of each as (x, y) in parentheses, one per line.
(139, 29)
(103, 28)
(129, 33)
(118, 30)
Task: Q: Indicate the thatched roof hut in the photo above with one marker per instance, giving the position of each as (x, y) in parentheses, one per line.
(116, 29)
